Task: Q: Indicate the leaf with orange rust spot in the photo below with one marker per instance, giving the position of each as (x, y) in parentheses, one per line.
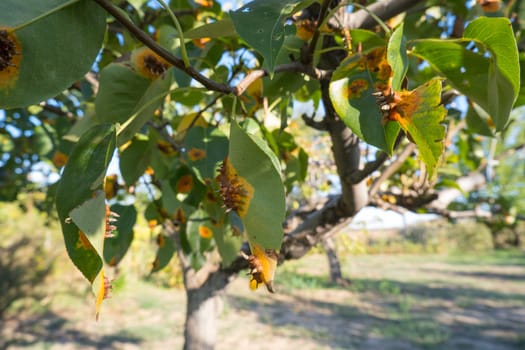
(74, 199)
(207, 147)
(149, 64)
(351, 92)
(185, 183)
(34, 37)
(256, 177)
(420, 115)
(111, 186)
(205, 232)
(236, 192)
(116, 247)
(101, 289)
(262, 265)
(200, 231)
(10, 57)
(59, 159)
(195, 154)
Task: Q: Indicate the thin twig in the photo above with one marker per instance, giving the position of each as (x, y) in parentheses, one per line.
(391, 169)
(168, 56)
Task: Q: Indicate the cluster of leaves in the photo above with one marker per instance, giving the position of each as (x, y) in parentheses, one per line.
(175, 134)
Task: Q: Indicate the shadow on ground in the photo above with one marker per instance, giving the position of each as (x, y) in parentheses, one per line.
(51, 328)
(385, 313)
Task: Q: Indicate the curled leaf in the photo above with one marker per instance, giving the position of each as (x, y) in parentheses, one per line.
(262, 264)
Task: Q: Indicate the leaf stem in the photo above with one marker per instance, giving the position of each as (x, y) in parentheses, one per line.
(183, 51)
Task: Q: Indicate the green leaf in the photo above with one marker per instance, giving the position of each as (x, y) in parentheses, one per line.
(135, 159)
(261, 24)
(120, 91)
(221, 28)
(476, 123)
(397, 57)
(58, 42)
(351, 91)
(82, 176)
(128, 98)
(90, 216)
(116, 247)
(421, 115)
(492, 81)
(166, 249)
(199, 231)
(205, 148)
(255, 162)
(228, 245)
(367, 39)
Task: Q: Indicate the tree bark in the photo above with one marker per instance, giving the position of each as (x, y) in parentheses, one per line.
(203, 307)
(336, 275)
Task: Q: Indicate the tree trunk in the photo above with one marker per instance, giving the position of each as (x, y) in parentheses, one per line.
(336, 276)
(203, 307)
(202, 310)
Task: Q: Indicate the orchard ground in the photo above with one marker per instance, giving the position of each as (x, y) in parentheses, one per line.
(459, 301)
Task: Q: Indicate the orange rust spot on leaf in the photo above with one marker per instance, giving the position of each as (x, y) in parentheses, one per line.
(59, 159)
(180, 216)
(204, 3)
(185, 184)
(201, 42)
(152, 224)
(161, 240)
(356, 88)
(103, 292)
(83, 242)
(490, 6)
(236, 192)
(205, 232)
(166, 148)
(196, 154)
(111, 186)
(148, 64)
(305, 29)
(404, 105)
(262, 264)
(10, 57)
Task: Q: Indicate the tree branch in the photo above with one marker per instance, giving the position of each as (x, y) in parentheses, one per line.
(162, 52)
(369, 168)
(384, 9)
(391, 169)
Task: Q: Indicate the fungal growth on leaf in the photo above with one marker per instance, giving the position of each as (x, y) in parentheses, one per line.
(148, 63)
(236, 192)
(10, 56)
(262, 265)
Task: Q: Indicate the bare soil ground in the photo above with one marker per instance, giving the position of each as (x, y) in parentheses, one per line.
(394, 302)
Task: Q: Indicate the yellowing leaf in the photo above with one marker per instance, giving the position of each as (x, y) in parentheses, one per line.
(101, 288)
(262, 264)
(420, 115)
